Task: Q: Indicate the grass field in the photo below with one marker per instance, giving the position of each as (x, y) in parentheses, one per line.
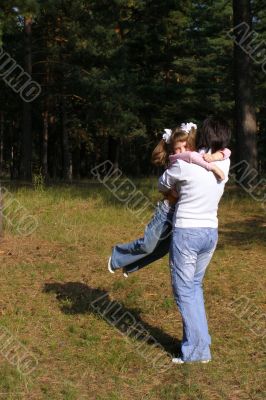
(50, 279)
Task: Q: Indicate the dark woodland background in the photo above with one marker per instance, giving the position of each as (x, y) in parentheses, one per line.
(115, 73)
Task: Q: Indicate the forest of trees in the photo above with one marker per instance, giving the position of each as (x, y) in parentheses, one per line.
(115, 73)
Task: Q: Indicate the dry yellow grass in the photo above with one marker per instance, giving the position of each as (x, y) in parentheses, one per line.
(48, 281)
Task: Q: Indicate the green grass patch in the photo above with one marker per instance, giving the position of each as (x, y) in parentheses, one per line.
(50, 279)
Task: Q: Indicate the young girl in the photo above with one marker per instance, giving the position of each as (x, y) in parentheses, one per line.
(157, 236)
(182, 139)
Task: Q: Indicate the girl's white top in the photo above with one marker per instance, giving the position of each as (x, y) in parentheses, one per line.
(199, 191)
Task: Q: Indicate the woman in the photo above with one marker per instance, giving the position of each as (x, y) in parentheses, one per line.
(194, 237)
(156, 240)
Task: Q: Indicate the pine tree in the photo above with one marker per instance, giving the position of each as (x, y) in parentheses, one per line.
(114, 74)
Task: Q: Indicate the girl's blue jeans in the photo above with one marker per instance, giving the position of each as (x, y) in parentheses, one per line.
(190, 253)
(154, 245)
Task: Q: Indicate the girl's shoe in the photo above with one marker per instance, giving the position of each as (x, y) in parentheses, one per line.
(125, 273)
(110, 269)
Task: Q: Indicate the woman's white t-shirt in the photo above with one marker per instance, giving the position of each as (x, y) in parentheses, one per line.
(199, 190)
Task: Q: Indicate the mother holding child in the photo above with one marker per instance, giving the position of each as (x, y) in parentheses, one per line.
(185, 223)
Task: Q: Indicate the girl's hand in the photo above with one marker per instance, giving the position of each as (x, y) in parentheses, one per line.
(174, 194)
(218, 172)
(171, 196)
(218, 156)
(208, 157)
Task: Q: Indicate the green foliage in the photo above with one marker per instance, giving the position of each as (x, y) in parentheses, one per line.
(38, 182)
(126, 70)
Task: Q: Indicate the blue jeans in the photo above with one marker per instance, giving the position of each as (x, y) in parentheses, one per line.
(190, 253)
(154, 245)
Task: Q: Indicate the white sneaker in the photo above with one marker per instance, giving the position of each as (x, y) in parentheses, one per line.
(125, 273)
(110, 269)
(180, 361)
(177, 360)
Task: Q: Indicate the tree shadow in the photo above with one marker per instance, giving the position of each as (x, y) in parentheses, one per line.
(244, 233)
(79, 298)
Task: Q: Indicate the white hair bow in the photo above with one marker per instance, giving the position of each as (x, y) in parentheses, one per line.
(187, 127)
(167, 135)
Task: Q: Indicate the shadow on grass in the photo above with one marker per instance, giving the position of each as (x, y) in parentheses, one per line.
(79, 298)
(242, 233)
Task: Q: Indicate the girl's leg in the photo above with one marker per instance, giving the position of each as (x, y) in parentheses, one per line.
(159, 252)
(158, 230)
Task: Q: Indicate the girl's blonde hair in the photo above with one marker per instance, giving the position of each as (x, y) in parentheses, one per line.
(161, 153)
(191, 141)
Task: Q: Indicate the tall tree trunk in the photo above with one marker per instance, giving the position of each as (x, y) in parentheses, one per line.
(66, 155)
(76, 162)
(11, 156)
(67, 167)
(113, 151)
(45, 142)
(1, 141)
(53, 146)
(246, 126)
(1, 166)
(1, 213)
(45, 115)
(25, 170)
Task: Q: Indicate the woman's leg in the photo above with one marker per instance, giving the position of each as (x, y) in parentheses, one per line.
(157, 231)
(202, 263)
(190, 254)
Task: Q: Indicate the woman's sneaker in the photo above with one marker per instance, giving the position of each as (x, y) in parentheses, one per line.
(110, 269)
(177, 360)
